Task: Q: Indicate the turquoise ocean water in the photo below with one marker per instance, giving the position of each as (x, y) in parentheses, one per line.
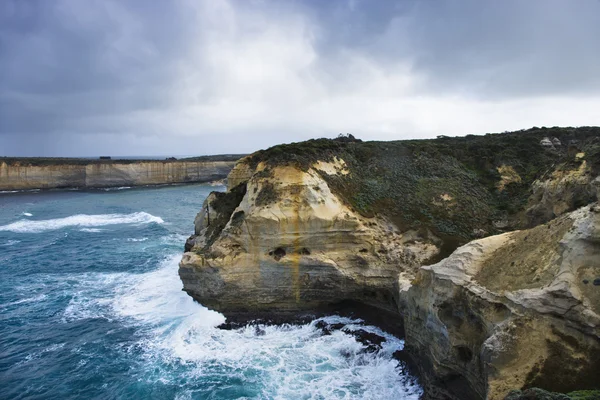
(91, 307)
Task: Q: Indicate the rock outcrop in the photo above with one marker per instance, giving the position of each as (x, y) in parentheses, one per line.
(23, 176)
(309, 225)
(566, 188)
(289, 244)
(511, 311)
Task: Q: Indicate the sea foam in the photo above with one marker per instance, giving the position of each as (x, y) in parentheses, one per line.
(286, 362)
(180, 343)
(80, 220)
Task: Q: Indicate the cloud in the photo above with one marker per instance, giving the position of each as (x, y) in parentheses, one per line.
(180, 77)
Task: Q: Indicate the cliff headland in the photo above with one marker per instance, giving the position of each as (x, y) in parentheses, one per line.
(18, 173)
(485, 248)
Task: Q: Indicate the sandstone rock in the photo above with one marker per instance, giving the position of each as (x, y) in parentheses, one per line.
(240, 173)
(503, 312)
(291, 244)
(511, 311)
(111, 174)
(564, 190)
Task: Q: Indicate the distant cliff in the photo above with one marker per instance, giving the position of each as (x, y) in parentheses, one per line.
(26, 174)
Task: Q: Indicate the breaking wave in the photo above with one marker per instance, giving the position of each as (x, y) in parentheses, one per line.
(277, 362)
(80, 220)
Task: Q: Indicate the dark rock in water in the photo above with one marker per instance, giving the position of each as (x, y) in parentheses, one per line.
(189, 243)
(345, 353)
(407, 366)
(372, 341)
(535, 394)
(328, 328)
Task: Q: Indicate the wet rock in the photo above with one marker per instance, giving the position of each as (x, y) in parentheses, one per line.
(371, 340)
(328, 328)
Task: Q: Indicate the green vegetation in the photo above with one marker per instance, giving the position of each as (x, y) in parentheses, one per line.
(539, 394)
(267, 194)
(448, 185)
(585, 395)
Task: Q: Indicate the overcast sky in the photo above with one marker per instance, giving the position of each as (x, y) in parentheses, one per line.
(140, 77)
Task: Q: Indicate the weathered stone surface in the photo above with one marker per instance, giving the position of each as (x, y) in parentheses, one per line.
(291, 244)
(478, 337)
(239, 174)
(307, 225)
(565, 189)
(110, 174)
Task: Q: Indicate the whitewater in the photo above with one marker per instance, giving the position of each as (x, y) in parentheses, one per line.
(91, 307)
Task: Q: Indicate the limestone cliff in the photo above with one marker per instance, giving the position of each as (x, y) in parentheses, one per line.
(290, 244)
(24, 176)
(510, 311)
(308, 225)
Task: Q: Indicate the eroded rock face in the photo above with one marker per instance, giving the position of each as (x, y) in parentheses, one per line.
(110, 174)
(505, 312)
(291, 244)
(511, 311)
(564, 190)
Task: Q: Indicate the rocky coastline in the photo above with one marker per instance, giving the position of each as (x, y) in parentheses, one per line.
(17, 174)
(483, 252)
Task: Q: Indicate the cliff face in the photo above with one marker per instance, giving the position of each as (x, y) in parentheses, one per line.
(308, 225)
(290, 244)
(109, 174)
(511, 311)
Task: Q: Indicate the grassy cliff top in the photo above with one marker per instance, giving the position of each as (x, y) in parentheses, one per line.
(458, 188)
(47, 161)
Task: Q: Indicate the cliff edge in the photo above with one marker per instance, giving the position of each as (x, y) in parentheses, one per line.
(309, 225)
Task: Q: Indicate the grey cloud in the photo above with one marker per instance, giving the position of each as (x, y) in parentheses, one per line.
(485, 48)
(66, 60)
(76, 75)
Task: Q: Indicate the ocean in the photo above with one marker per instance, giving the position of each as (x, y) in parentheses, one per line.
(91, 307)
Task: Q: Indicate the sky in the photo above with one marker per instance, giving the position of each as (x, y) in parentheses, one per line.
(193, 77)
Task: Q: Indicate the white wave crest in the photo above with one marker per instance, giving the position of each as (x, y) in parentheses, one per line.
(137, 239)
(80, 220)
(117, 188)
(282, 362)
(26, 300)
(28, 214)
(11, 243)
(294, 362)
